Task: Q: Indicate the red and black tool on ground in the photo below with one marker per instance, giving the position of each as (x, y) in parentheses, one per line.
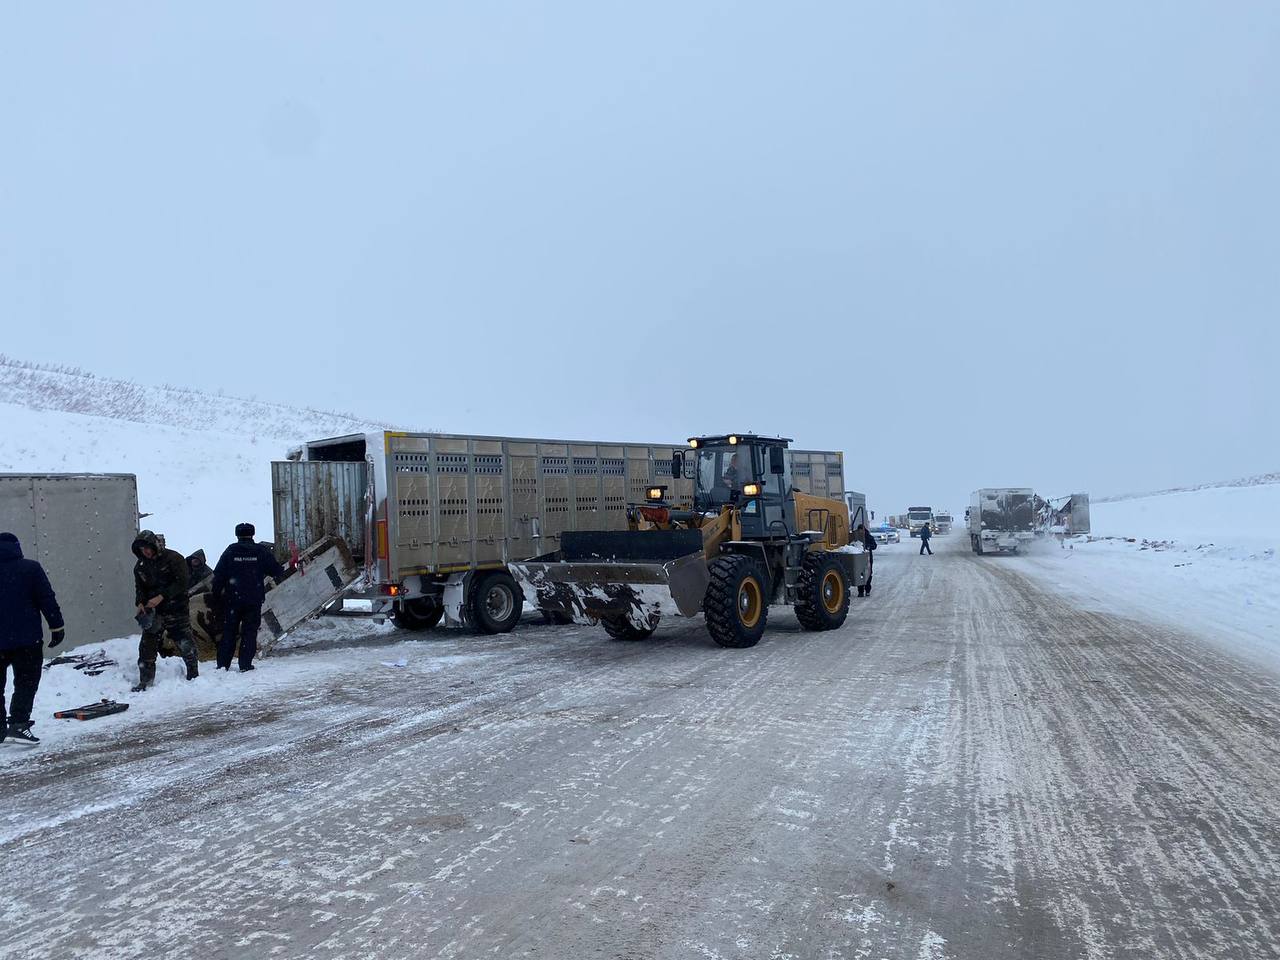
(91, 711)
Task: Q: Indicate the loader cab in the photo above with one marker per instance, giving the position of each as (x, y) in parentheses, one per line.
(751, 472)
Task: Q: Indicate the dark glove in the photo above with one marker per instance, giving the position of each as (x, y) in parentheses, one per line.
(57, 636)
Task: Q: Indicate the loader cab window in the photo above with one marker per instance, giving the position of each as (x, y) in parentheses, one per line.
(722, 471)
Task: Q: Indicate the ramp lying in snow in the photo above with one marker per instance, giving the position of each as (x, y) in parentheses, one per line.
(325, 570)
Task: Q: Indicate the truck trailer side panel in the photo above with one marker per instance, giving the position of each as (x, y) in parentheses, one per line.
(80, 528)
(427, 505)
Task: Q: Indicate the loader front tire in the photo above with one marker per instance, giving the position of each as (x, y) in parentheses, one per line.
(736, 606)
(417, 614)
(496, 602)
(822, 592)
(620, 628)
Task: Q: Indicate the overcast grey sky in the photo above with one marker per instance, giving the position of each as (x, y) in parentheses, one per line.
(970, 244)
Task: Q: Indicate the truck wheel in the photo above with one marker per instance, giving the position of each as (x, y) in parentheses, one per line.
(417, 614)
(822, 592)
(735, 606)
(979, 547)
(620, 628)
(496, 602)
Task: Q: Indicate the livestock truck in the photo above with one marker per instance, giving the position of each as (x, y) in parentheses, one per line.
(1001, 519)
(434, 519)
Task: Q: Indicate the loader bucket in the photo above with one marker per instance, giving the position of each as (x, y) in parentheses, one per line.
(636, 575)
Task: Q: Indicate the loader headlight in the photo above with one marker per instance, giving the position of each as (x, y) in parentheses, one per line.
(655, 493)
(751, 490)
(733, 441)
(694, 443)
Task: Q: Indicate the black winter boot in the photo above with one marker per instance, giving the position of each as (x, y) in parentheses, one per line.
(193, 669)
(22, 731)
(146, 677)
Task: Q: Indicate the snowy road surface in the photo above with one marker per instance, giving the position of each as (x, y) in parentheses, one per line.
(971, 767)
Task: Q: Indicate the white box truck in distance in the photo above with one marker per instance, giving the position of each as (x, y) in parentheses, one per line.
(917, 517)
(1001, 519)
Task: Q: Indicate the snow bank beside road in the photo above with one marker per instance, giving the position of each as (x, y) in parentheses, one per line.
(1242, 520)
(1204, 560)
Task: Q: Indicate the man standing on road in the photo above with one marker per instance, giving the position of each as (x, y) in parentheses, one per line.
(925, 533)
(25, 594)
(237, 587)
(160, 589)
(863, 535)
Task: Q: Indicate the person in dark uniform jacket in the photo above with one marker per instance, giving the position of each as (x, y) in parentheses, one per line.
(869, 545)
(238, 588)
(25, 596)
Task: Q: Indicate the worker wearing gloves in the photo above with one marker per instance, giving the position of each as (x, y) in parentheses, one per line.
(160, 589)
(25, 595)
(238, 587)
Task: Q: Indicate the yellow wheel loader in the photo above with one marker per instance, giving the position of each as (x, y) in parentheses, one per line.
(748, 540)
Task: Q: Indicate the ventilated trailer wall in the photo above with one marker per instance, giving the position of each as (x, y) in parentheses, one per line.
(446, 502)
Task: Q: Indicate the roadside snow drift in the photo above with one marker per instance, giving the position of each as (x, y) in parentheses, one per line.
(1202, 559)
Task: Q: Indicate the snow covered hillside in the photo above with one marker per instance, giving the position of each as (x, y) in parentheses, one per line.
(202, 461)
(1203, 559)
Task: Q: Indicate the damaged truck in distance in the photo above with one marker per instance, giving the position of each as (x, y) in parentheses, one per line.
(1001, 519)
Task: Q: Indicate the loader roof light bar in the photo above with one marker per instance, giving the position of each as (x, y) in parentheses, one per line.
(655, 493)
(735, 439)
(751, 490)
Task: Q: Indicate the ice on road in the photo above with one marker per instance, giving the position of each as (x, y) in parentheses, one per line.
(970, 767)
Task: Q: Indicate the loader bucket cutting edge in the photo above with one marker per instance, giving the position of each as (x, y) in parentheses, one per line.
(642, 592)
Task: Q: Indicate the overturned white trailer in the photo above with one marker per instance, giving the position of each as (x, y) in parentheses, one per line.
(79, 526)
(433, 519)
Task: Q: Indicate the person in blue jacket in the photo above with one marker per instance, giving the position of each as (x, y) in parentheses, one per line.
(25, 595)
(237, 586)
(925, 533)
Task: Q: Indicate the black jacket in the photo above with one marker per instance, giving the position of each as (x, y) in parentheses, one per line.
(165, 575)
(239, 574)
(926, 532)
(868, 539)
(25, 594)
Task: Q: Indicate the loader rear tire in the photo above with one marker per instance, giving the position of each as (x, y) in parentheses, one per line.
(496, 602)
(417, 614)
(736, 607)
(620, 628)
(822, 592)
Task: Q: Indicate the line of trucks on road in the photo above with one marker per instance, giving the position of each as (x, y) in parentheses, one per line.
(1004, 519)
(432, 527)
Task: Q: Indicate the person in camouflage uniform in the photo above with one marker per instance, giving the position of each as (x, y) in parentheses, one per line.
(160, 580)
